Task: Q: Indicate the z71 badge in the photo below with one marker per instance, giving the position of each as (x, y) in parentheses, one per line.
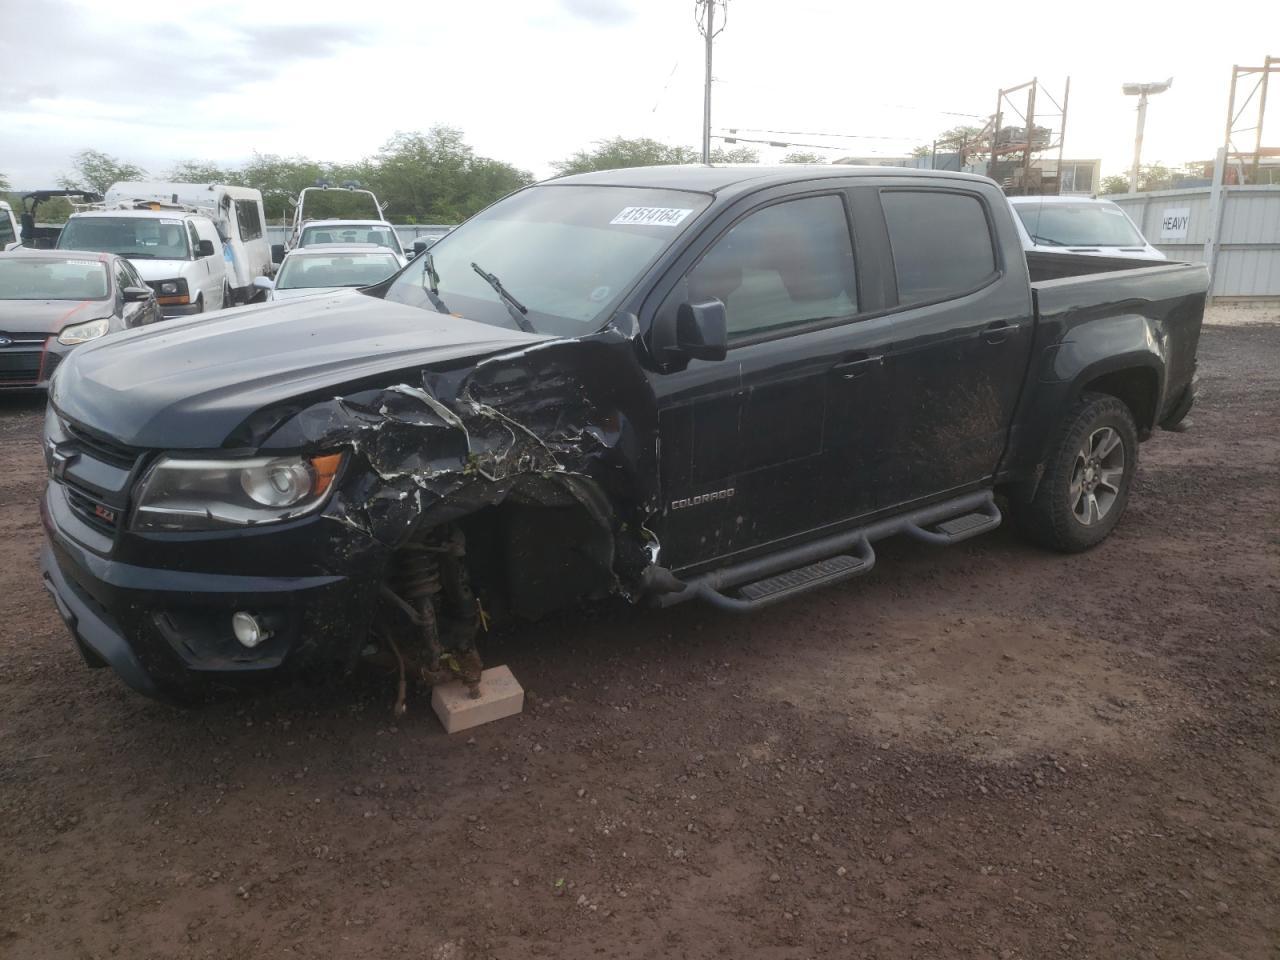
(702, 499)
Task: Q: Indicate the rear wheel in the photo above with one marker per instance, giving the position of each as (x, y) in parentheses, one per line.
(1086, 482)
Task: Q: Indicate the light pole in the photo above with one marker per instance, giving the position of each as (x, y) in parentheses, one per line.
(1141, 91)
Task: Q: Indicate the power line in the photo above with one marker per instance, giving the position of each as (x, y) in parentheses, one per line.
(820, 133)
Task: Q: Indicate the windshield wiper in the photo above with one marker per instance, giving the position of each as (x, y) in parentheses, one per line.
(432, 286)
(514, 306)
(1049, 240)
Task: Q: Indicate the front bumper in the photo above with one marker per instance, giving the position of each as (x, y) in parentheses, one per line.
(163, 624)
(170, 310)
(28, 365)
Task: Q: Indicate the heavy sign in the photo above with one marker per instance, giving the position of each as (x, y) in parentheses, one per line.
(1174, 223)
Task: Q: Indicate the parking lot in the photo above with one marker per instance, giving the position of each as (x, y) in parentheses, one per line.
(987, 751)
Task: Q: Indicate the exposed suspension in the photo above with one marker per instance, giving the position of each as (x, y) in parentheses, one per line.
(430, 606)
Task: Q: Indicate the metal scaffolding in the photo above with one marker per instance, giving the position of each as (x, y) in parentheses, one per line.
(1011, 149)
(1253, 158)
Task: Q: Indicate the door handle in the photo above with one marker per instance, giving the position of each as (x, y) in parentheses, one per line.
(998, 331)
(857, 365)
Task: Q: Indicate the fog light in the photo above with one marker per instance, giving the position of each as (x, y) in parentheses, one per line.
(248, 629)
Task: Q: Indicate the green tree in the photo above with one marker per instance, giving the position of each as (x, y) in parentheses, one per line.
(95, 170)
(950, 140)
(201, 171)
(436, 177)
(736, 155)
(618, 152)
(4, 183)
(801, 156)
(1115, 184)
(280, 179)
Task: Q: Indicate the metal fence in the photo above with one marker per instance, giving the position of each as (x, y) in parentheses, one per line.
(1236, 230)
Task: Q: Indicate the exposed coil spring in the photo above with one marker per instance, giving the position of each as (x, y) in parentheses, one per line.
(417, 573)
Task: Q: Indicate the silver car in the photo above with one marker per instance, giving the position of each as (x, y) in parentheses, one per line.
(1082, 225)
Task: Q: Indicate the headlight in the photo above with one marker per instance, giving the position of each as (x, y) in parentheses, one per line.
(171, 291)
(216, 494)
(80, 332)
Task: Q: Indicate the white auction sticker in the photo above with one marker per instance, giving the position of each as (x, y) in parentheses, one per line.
(651, 216)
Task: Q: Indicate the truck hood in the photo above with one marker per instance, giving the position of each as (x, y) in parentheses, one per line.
(293, 293)
(48, 317)
(188, 384)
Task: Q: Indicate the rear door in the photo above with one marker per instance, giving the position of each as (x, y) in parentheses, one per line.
(961, 330)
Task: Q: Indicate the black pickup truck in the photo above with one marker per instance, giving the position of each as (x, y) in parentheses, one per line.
(665, 384)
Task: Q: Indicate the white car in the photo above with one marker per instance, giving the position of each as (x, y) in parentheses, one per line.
(177, 253)
(328, 268)
(1081, 225)
(377, 232)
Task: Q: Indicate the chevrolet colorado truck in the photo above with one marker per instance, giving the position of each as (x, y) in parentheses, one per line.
(666, 384)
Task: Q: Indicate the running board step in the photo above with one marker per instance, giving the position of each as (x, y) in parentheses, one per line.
(830, 570)
(955, 529)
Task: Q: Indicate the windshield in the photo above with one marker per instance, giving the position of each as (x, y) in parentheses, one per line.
(349, 233)
(332, 203)
(138, 238)
(567, 253)
(1078, 225)
(335, 270)
(40, 279)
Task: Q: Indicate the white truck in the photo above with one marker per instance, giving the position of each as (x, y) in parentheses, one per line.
(177, 251)
(237, 214)
(10, 235)
(346, 214)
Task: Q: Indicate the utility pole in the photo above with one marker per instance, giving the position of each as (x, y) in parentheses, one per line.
(707, 27)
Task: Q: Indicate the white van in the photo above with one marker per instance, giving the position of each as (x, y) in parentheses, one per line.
(177, 252)
(236, 212)
(10, 235)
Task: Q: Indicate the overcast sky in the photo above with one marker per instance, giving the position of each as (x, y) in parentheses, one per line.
(530, 81)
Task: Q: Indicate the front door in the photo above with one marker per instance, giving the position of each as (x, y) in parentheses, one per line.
(747, 442)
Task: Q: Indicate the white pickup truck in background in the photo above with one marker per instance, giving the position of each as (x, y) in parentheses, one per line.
(346, 214)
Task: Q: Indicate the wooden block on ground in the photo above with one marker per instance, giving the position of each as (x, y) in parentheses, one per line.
(500, 696)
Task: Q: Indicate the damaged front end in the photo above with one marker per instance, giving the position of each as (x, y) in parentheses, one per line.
(512, 486)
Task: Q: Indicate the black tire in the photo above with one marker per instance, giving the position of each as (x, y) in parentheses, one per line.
(1082, 497)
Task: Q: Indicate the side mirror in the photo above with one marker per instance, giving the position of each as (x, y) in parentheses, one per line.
(205, 248)
(277, 252)
(420, 246)
(702, 330)
(136, 294)
(264, 283)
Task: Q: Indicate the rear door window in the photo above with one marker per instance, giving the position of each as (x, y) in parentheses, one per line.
(783, 266)
(941, 243)
(249, 219)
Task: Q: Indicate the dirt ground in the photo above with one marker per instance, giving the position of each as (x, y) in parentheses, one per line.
(985, 751)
